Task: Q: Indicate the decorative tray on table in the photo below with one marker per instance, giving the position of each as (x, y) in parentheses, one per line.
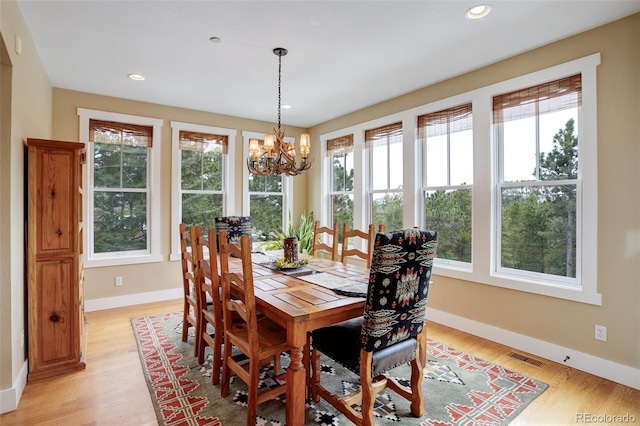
(281, 263)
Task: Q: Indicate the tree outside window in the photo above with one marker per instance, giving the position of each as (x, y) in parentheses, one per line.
(120, 193)
(447, 138)
(340, 153)
(537, 131)
(385, 175)
(202, 177)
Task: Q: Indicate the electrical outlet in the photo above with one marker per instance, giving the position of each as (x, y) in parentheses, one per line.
(601, 333)
(118, 281)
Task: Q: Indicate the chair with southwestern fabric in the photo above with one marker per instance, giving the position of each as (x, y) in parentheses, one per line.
(319, 232)
(234, 227)
(188, 282)
(392, 331)
(257, 337)
(368, 238)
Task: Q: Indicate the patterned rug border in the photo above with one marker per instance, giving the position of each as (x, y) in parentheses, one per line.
(174, 382)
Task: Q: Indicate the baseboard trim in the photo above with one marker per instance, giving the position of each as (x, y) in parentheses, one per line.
(600, 367)
(131, 299)
(10, 398)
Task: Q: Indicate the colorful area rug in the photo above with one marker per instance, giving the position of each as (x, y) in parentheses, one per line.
(459, 388)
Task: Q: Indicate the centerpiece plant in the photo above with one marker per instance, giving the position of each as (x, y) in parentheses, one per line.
(303, 231)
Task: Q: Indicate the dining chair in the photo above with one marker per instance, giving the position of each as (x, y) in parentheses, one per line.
(208, 289)
(234, 227)
(319, 234)
(257, 337)
(188, 282)
(392, 331)
(368, 239)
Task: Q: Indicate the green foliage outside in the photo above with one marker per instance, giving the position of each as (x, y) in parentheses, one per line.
(119, 217)
(201, 185)
(539, 223)
(449, 212)
(342, 204)
(266, 200)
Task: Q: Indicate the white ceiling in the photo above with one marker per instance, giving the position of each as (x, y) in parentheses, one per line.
(343, 55)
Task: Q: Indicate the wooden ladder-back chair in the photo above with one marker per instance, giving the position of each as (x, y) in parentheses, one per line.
(319, 232)
(257, 337)
(368, 237)
(392, 331)
(209, 300)
(190, 306)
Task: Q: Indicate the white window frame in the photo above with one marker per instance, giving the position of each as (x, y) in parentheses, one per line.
(287, 184)
(228, 183)
(484, 201)
(153, 253)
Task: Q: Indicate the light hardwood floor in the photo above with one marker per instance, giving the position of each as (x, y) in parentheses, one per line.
(112, 389)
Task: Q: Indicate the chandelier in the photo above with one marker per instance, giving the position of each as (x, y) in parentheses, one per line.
(275, 156)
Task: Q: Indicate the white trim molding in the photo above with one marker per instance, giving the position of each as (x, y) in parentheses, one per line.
(600, 367)
(132, 299)
(10, 398)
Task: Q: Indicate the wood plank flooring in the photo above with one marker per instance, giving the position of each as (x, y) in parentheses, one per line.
(112, 389)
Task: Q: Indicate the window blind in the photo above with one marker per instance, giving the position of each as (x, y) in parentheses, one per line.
(120, 133)
(203, 142)
(553, 96)
(456, 119)
(391, 133)
(340, 146)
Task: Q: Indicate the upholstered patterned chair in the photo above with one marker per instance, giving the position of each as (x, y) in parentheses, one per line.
(390, 333)
(234, 226)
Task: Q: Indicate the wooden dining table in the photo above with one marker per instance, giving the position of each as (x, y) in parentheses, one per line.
(300, 306)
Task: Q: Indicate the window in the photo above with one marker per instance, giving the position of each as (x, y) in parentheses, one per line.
(266, 197)
(384, 145)
(200, 176)
(447, 138)
(122, 172)
(340, 155)
(508, 174)
(538, 181)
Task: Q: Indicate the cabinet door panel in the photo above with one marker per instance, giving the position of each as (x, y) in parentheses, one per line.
(55, 194)
(58, 311)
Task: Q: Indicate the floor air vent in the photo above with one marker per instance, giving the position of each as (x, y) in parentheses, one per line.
(526, 359)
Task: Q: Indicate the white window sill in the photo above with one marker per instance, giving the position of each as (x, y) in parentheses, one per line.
(575, 294)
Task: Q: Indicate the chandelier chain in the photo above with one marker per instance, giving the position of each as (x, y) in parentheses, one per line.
(279, 85)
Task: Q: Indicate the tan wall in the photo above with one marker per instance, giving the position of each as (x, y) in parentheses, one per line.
(163, 275)
(565, 323)
(29, 92)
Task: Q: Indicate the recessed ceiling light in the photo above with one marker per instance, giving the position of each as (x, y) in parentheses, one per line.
(478, 12)
(136, 77)
(285, 106)
(215, 40)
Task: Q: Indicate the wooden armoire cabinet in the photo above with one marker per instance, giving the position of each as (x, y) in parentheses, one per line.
(56, 325)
